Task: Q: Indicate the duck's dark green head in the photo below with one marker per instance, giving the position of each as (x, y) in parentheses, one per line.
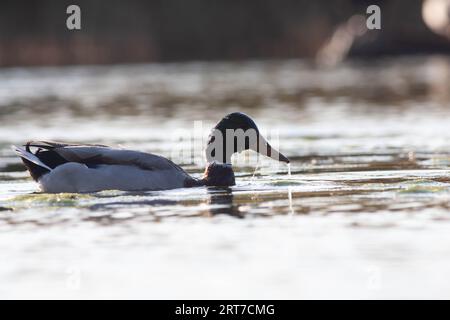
(237, 132)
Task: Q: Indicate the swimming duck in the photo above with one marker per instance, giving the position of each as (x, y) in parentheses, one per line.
(78, 168)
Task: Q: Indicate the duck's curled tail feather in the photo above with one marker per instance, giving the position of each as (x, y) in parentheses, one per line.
(34, 165)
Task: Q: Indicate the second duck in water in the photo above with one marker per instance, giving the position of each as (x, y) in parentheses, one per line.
(64, 167)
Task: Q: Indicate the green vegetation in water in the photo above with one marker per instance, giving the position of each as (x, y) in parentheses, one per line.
(59, 199)
(418, 188)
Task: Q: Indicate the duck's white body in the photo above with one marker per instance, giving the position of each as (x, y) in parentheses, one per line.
(96, 168)
(75, 177)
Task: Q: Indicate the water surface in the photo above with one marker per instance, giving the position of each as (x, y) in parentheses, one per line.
(364, 214)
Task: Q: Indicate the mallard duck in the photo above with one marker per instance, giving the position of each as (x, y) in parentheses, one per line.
(78, 168)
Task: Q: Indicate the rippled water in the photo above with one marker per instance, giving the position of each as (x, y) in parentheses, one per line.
(364, 214)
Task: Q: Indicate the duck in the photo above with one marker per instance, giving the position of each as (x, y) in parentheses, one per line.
(60, 167)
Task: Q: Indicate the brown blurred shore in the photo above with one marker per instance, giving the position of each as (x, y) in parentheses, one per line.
(35, 33)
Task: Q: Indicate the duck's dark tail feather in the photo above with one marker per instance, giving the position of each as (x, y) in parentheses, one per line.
(35, 166)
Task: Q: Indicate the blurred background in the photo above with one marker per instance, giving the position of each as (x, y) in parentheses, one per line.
(33, 32)
(362, 114)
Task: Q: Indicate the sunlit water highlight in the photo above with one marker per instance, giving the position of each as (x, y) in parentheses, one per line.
(362, 213)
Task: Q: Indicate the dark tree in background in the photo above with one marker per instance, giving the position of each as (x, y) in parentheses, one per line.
(33, 32)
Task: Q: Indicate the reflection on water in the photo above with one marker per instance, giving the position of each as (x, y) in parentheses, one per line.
(368, 192)
(221, 202)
